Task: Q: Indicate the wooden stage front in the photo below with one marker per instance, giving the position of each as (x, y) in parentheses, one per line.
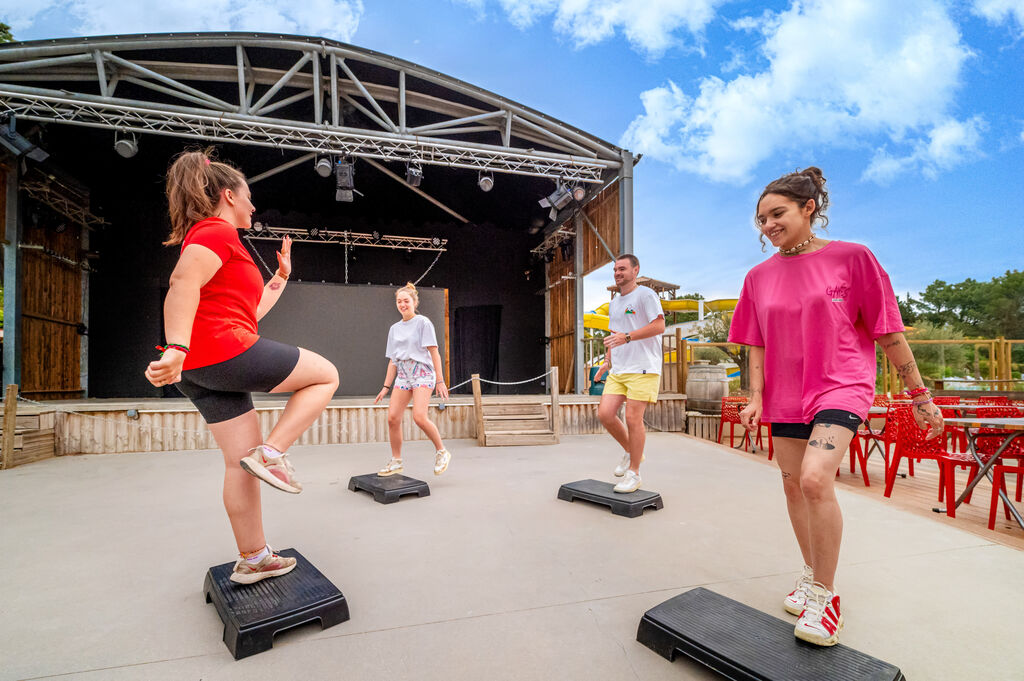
(105, 426)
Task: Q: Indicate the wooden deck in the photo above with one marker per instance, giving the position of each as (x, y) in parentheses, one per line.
(919, 495)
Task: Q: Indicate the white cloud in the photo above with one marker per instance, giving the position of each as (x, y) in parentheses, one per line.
(948, 144)
(651, 26)
(334, 19)
(998, 11)
(840, 73)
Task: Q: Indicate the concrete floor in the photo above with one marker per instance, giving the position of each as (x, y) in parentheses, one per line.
(491, 577)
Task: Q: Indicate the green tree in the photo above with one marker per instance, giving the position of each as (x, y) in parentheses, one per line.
(5, 33)
(977, 308)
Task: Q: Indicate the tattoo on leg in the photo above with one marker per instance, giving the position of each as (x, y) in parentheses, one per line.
(823, 443)
(786, 475)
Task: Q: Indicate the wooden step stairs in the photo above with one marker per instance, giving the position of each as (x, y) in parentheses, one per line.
(24, 438)
(504, 424)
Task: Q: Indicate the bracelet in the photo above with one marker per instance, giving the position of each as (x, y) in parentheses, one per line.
(387, 387)
(169, 346)
(916, 391)
(929, 400)
(283, 276)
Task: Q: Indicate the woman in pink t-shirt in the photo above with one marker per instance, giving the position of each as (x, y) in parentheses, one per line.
(811, 315)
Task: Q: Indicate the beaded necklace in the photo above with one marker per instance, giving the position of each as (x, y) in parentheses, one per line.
(796, 249)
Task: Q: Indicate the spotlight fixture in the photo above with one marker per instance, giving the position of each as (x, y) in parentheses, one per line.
(413, 174)
(257, 227)
(549, 256)
(567, 250)
(18, 145)
(375, 237)
(323, 166)
(313, 232)
(344, 177)
(126, 144)
(435, 241)
(556, 200)
(579, 192)
(61, 227)
(485, 181)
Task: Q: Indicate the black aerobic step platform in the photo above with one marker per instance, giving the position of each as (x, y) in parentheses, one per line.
(389, 489)
(629, 505)
(744, 644)
(253, 613)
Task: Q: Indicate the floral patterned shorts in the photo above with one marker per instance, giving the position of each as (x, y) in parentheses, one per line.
(413, 374)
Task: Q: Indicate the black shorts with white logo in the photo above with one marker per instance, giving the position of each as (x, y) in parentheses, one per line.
(802, 431)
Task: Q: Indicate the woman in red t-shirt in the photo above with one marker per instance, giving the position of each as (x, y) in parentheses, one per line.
(216, 357)
(811, 315)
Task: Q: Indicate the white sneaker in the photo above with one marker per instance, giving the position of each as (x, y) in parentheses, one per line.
(623, 466)
(441, 460)
(630, 483)
(821, 620)
(794, 602)
(394, 466)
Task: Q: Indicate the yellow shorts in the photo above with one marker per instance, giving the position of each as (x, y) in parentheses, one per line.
(640, 387)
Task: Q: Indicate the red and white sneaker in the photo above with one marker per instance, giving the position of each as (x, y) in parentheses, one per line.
(794, 602)
(275, 471)
(821, 619)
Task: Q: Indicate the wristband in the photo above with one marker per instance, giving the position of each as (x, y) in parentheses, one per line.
(387, 387)
(283, 276)
(169, 346)
(928, 401)
(916, 391)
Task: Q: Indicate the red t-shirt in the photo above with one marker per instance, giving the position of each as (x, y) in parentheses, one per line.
(225, 323)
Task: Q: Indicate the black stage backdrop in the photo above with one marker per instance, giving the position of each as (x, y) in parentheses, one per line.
(348, 324)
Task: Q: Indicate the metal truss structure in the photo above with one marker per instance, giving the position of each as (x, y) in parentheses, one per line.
(63, 202)
(344, 238)
(553, 240)
(179, 86)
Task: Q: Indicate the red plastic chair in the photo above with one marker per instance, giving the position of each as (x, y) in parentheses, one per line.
(994, 399)
(731, 407)
(999, 472)
(953, 434)
(911, 444)
(884, 438)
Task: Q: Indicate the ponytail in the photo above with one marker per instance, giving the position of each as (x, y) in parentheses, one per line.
(194, 185)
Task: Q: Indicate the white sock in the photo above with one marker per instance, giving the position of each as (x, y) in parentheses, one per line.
(259, 556)
(271, 453)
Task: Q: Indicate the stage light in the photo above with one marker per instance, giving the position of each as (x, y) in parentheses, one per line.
(579, 192)
(485, 181)
(344, 177)
(61, 227)
(413, 174)
(557, 200)
(313, 232)
(549, 256)
(567, 250)
(435, 241)
(19, 146)
(257, 227)
(375, 237)
(323, 166)
(126, 144)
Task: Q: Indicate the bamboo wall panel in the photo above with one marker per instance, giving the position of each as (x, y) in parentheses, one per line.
(51, 312)
(562, 299)
(603, 211)
(108, 432)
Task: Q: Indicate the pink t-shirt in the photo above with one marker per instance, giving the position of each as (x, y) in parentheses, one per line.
(817, 315)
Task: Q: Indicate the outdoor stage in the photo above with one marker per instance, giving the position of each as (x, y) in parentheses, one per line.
(490, 577)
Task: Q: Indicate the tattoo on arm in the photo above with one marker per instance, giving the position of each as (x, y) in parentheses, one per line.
(905, 369)
(786, 475)
(894, 342)
(274, 286)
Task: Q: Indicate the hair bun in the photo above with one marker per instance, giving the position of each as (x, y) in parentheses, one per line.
(409, 285)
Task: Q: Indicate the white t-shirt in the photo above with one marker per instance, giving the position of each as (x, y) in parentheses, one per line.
(626, 314)
(410, 340)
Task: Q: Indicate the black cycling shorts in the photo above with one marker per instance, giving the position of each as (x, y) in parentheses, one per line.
(224, 390)
(802, 431)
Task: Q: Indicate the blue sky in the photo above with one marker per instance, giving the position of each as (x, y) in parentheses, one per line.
(912, 109)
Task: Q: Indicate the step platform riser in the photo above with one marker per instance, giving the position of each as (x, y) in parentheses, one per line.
(630, 505)
(253, 613)
(389, 489)
(744, 644)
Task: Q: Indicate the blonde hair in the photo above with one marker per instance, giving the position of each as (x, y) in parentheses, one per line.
(410, 288)
(194, 185)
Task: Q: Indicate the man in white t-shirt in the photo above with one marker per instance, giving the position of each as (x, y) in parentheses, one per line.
(633, 358)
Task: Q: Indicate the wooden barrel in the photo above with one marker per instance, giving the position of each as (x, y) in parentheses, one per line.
(706, 385)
